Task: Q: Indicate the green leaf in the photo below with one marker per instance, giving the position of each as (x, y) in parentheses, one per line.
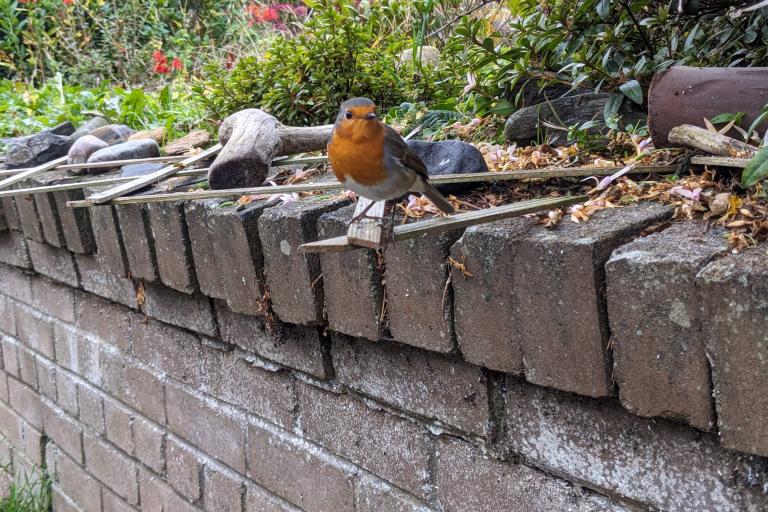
(756, 169)
(727, 117)
(633, 91)
(757, 122)
(613, 105)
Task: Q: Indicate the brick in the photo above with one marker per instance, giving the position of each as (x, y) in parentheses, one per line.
(378, 496)
(604, 447)
(135, 386)
(105, 284)
(193, 312)
(733, 296)
(29, 219)
(149, 442)
(139, 246)
(26, 402)
(174, 254)
(7, 317)
(11, 213)
(118, 420)
(156, 496)
(11, 426)
(258, 500)
(3, 222)
(32, 445)
(468, 480)
(315, 485)
(298, 347)
(77, 484)
(561, 297)
(216, 431)
(67, 393)
(223, 491)
(46, 377)
(183, 469)
(77, 353)
(4, 396)
(109, 244)
(428, 384)
(103, 319)
(419, 298)
(353, 309)
(61, 502)
(293, 276)
(653, 310)
(485, 308)
(17, 284)
(180, 354)
(13, 249)
(56, 263)
(54, 298)
(27, 370)
(10, 356)
(91, 408)
(64, 431)
(391, 447)
(111, 502)
(25, 470)
(205, 250)
(75, 222)
(49, 220)
(35, 331)
(115, 470)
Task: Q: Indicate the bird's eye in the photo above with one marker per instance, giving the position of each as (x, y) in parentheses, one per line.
(348, 115)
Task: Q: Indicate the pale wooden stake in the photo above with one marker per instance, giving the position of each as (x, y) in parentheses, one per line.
(368, 231)
(722, 161)
(7, 182)
(458, 221)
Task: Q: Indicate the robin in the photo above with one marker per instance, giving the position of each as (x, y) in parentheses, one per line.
(371, 159)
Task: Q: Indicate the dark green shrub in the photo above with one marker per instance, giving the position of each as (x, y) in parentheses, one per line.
(342, 51)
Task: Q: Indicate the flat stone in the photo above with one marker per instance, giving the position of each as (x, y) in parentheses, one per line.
(88, 126)
(734, 297)
(128, 171)
(485, 305)
(35, 149)
(560, 297)
(449, 157)
(112, 133)
(654, 315)
(130, 150)
(65, 128)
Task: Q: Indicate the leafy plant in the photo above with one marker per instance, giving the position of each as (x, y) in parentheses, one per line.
(342, 51)
(27, 495)
(757, 168)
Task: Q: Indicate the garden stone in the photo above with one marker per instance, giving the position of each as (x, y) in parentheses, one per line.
(526, 126)
(82, 149)
(113, 133)
(449, 157)
(35, 149)
(88, 127)
(133, 149)
(132, 170)
(65, 128)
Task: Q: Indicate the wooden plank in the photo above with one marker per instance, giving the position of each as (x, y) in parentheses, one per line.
(368, 231)
(723, 161)
(573, 172)
(16, 178)
(101, 165)
(458, 221)
(143, 181)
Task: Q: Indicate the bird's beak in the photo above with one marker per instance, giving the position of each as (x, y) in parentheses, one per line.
(370, 115)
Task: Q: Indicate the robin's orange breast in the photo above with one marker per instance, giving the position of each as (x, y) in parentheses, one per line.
(361, 159)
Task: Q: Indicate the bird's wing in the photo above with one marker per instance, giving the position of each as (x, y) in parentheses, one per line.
(398, 149)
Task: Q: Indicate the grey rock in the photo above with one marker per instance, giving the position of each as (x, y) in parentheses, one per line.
(140, 169)
(82, 149)
(449, 157)
(35, 149)
(65, 128)
(133, 149)
(88, 126)
(526, 126)
(112, 133)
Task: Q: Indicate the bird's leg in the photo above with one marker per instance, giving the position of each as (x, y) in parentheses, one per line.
(362, 215)
(391, 228)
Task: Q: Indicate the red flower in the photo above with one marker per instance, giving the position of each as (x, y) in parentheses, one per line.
(68, 2)
(270, 14)
(176, 64)
(161, 62)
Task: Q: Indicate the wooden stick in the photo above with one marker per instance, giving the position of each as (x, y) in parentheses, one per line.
(690, 136)
(368, 231)
(97, 165)
(143, 181)
(573, 172)
(722, 161)
(7, 182)
(458, 221)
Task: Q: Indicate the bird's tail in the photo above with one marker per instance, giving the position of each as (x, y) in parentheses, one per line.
(434, 195)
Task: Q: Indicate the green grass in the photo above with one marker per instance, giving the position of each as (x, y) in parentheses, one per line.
(26, 495)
